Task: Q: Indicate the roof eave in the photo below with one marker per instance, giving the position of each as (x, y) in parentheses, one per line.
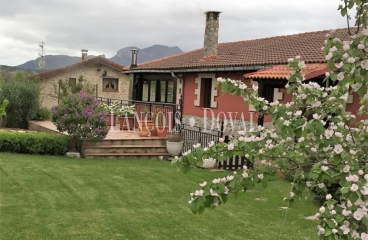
(202, 69)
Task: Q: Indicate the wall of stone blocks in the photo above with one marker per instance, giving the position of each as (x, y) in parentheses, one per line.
(49, 85)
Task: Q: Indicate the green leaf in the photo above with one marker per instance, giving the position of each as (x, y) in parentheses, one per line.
(194, 207)
(199, 152)
(201, 201)
(201, 210)
(362, 91)
(353, 197)
(190, 158)
(344, 190)
(328, 232)
(331, 64)
(224, 198)
(221, 187)
(331, 224)
(339, 218)
(330, 202)
(351, 4)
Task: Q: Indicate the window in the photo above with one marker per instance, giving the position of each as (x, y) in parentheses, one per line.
(206, 92)
(72, 81)
(110, 85)
(155, 91)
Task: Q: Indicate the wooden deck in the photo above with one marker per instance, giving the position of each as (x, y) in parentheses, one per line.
(113, 134)
(117, 144)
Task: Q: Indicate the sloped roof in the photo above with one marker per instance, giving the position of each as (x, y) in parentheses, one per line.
(281, 72)
(95, 60)
(258, 52)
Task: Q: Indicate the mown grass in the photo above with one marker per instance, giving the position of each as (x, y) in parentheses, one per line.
(46, 197)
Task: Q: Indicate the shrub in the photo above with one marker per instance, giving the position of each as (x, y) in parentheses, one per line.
(34, 143)
(43, 113)
(23, 96)
(82, 117)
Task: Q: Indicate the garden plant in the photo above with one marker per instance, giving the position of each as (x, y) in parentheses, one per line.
(82, 118)
(313, 139)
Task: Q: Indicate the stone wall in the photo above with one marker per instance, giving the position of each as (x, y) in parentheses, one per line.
(49, 85)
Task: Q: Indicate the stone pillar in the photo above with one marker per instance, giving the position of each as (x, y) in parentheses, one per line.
(84, 54)
(211, 33)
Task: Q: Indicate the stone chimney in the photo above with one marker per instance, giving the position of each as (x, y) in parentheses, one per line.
(211, 33)
(84, 54)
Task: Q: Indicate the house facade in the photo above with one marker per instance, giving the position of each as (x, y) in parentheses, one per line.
(106, 76)
(190, 78)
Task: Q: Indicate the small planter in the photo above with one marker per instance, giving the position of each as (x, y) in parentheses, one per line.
(111, 119)
(149, 126)
(126, 123)
(143, 132)
(174, 148)
(162, 131)
(209, 163)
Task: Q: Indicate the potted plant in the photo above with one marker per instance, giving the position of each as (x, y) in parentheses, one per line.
(160, 123)
(174, 143)
(143, 130)
(110, 111)
(146, 122)
(126, 117)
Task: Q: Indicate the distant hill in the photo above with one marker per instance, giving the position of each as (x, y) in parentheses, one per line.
(122, 57)
(10, 69)
(52, 62)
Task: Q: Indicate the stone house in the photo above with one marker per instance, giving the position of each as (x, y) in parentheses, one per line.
(107, 76)
(190, 78)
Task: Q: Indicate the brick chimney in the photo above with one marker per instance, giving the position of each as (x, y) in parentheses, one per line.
(84, 54)
(211, 33)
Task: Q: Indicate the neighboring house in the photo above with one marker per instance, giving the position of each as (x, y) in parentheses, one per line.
(107, 76)
(191, 76)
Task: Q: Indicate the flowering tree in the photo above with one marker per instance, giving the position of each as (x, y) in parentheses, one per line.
(82, 117)
(314, 140)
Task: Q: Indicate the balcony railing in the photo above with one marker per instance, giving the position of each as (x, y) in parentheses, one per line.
(170, 112)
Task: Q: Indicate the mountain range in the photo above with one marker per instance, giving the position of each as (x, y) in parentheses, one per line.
(122, 57)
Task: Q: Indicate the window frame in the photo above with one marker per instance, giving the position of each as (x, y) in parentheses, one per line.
(157, 89)
(72, 81)
(109, 89)
(206, 93)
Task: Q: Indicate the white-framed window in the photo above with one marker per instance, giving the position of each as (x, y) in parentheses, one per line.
(110, 85)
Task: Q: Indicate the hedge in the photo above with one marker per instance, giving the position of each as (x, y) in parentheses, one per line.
(34, 143)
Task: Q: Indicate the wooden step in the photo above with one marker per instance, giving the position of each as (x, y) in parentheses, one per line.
(128, 155)
(154, 141)
(161, 150)
(124, 146)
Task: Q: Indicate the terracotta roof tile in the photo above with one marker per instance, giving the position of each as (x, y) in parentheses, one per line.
(265, 51)
(281, 72)
(101, 60)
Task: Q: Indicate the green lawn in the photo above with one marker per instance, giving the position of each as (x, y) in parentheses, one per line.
(46, 197)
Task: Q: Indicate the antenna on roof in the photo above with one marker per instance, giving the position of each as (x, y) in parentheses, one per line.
(41, 61)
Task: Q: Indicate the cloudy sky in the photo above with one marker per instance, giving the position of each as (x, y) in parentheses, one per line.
(103, 27)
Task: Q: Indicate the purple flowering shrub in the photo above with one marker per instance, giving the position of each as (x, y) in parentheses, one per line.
(82, 117)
